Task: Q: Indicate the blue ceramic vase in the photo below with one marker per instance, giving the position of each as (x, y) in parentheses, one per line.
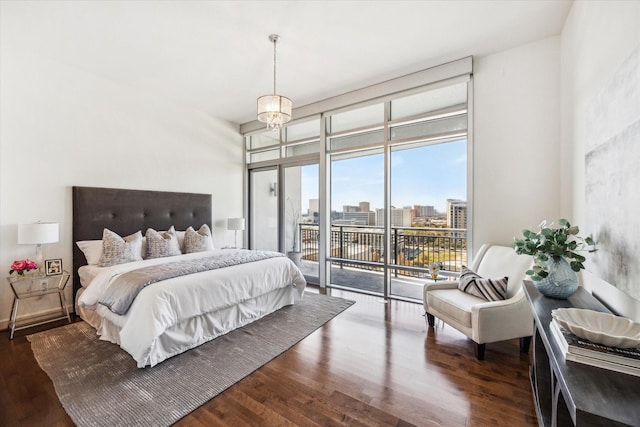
(562, 281)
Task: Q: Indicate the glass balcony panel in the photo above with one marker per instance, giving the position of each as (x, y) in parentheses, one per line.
(429, 101)
(358, 256)
(431, 127)
(370, 115)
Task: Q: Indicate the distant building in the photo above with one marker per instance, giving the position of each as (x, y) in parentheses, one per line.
(365, 207)
(349, 208)
(400, 217)
(424, 211)
(357, 218)
(456, 213)
(314, 206)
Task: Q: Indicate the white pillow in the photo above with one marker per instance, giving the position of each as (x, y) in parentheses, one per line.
(92, 250)
(180, 235)
(198, 241)
(162, 244)
(118, 250)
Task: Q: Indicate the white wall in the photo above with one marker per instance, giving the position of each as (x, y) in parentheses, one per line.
(597, 38)
(516, 165)
(62, 127)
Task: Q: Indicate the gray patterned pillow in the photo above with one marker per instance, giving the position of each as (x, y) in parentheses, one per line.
(487, 289)
(162, 244)
(118, 250)
(198, 241)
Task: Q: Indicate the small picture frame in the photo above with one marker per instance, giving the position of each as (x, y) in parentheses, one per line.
(53, 267)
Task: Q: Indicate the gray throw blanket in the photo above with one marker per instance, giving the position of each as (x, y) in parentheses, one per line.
(123, 290)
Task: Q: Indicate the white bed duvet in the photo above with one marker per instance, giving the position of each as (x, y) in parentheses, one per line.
(172, 316)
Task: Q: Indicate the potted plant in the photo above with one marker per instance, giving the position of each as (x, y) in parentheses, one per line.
(555, 256)
(294, 222)
(434, 269)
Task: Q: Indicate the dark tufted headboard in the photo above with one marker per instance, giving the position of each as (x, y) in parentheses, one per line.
(127, 211)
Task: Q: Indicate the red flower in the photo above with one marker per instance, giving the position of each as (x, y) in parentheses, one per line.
(22, 265)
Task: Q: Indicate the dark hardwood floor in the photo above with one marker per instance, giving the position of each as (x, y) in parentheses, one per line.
(375, 364)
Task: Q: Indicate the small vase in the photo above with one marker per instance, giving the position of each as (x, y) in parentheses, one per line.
(562, 281)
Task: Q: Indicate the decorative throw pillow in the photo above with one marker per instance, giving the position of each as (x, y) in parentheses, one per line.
(162, 243)
(118, 250)
(92, 250)
(198, 241)
(487, 289)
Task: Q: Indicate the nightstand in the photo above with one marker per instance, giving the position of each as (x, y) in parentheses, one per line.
(33, 286)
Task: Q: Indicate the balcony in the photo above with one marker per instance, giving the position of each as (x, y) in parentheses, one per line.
(358, 256)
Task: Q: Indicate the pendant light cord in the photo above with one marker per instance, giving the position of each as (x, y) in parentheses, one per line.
(275, 40)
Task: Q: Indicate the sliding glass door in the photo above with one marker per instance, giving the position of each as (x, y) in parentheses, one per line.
(264, 209)
(301, 217)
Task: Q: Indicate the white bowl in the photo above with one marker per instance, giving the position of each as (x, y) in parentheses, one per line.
(600, 328)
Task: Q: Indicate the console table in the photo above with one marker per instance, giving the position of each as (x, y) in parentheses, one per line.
(572, 393)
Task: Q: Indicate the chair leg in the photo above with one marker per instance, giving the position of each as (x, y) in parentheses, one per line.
(479, 350)
(431, 320)
(525, 342)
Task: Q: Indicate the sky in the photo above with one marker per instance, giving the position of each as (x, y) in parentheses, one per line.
(426, 175)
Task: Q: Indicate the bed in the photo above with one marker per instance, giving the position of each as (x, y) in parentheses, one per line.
(180, 312)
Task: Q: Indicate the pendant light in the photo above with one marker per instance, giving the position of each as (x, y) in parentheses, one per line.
(274, 110)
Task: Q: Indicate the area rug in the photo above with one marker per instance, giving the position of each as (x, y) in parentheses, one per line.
(99, 384)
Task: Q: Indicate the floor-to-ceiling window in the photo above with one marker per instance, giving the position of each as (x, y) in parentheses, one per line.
(357, 244)
(398, 171)
(373, 189)
(426, 180)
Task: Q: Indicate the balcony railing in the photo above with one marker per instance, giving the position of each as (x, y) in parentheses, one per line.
(412, 248)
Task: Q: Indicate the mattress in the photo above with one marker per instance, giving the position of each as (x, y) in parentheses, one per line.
(175, 315)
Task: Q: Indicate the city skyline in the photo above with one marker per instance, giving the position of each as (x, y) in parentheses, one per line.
(425, 176)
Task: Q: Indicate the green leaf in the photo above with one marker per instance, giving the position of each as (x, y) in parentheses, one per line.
(573, 230)
(576, 266)
(563, 222)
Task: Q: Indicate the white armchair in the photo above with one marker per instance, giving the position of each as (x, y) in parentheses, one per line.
(483, 321)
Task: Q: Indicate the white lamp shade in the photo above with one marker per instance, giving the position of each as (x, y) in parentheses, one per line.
(235, 224)
(274, 110)
(35, 234)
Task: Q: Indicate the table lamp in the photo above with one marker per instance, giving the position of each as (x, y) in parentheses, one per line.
(38, 234)
(235, 224)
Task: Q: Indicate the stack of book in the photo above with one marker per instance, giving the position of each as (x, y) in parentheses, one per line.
(625, 360)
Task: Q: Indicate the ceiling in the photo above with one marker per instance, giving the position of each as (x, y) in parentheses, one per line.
(215, 56)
